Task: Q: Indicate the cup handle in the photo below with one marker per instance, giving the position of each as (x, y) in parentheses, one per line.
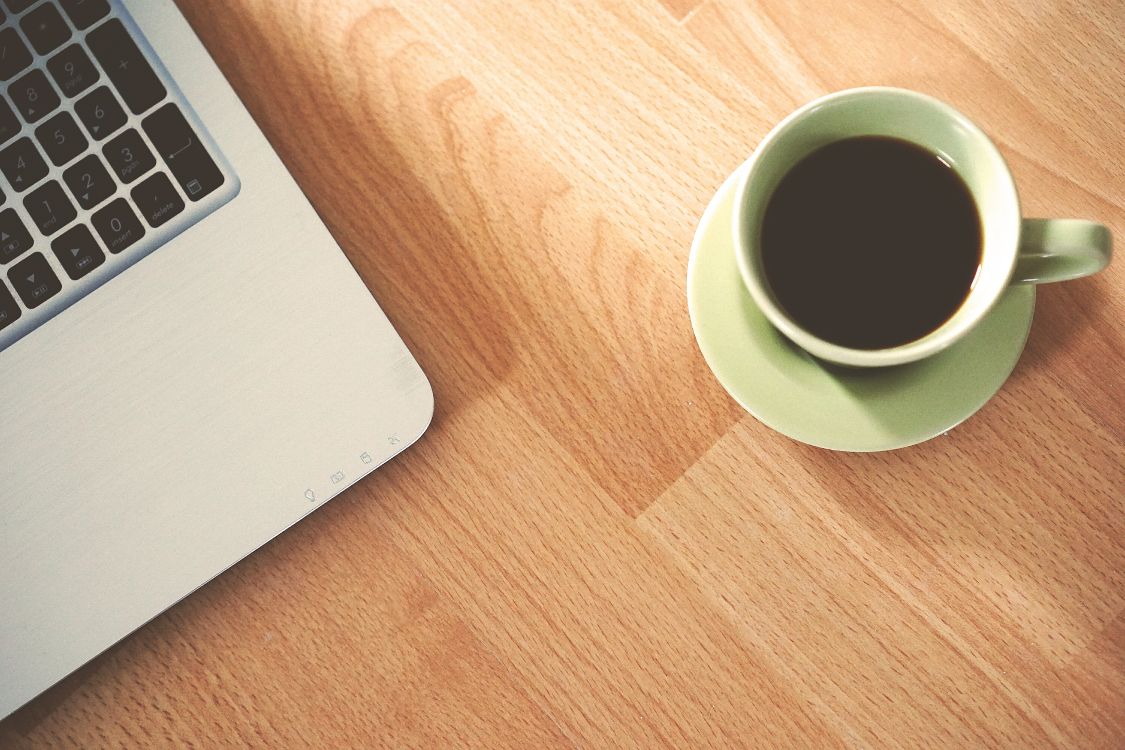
(1061, 249)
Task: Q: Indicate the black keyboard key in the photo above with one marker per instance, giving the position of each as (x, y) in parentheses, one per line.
(157, 199)
(34, 280)
(118, 226)
(19, 6)
(9, 124)
(100, 113)
(85, 13)
(49, 208)
(9, 308)
(73, 70)
(90, 182)
(78, 252)
(45, 28)
(61, 138)
(34, 96)
(22, 164)
(129, 156)
(181, 149)
(15, 240)
(126, 66)
(14, 54)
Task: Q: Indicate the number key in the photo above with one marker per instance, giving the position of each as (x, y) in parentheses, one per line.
(15, 240)
(118, 226)
(73, 70)
(49, 208)
(89, 181)
(22, 164)
(45, 28)
(61, 138)
(129, 156)
(34, 96)
(100, 112)
(14, 54)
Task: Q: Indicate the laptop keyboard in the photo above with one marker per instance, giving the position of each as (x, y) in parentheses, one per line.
(102, 159)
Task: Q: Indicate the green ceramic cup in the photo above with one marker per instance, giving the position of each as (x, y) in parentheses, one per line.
(1015, 250)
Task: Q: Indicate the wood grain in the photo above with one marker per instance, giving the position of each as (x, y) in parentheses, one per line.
(593, 546)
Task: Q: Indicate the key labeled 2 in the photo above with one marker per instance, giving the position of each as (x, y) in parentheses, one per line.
(89, 181)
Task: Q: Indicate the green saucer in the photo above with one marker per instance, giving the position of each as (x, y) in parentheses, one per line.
(825, 405)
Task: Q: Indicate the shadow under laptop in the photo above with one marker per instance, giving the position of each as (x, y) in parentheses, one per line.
(439, 280)
(500, 265)
(24, 721)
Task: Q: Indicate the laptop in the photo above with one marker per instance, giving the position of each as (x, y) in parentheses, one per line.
(188, 363)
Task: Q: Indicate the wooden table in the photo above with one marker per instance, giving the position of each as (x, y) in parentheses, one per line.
(594, 546)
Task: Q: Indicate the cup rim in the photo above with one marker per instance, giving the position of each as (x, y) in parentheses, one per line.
(904, 353)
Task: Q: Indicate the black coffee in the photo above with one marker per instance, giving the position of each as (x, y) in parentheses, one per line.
(871, 242)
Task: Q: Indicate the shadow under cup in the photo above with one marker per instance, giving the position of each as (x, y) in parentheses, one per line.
(924, 121)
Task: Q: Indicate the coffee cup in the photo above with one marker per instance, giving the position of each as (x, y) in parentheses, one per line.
(1011, 249)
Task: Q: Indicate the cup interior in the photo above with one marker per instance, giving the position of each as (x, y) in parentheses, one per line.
(910, 116)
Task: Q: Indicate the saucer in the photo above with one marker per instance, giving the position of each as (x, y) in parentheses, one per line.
(828, 406)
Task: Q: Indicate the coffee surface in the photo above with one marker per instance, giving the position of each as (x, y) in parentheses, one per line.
(871, 242)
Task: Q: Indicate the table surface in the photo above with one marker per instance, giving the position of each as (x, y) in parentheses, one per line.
(594, 546)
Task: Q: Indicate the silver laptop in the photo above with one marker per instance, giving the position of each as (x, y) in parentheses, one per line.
(188, 363)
